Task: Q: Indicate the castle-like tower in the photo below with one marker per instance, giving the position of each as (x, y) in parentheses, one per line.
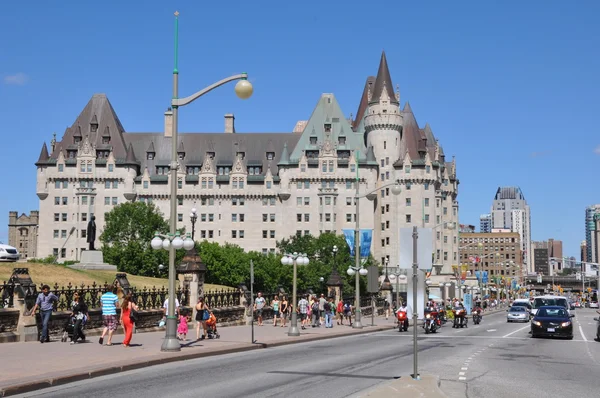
(257, 188)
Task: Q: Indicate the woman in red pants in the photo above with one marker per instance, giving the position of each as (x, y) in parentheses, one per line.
(126, 308)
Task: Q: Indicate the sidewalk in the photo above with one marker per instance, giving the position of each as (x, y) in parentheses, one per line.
(32, 366)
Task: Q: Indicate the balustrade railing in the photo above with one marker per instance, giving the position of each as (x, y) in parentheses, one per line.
(7, 295)
(222, 298)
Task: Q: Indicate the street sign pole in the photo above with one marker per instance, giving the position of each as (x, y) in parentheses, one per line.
(252, 299)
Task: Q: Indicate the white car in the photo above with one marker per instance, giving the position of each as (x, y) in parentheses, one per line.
(593, 304)
(8, 253)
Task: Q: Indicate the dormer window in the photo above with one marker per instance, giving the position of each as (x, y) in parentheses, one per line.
(77, 140)
(71, 154)
(313, 140)
(162, 170)
(327, 127)
(150, 155)
(255, 170)
(106, 140)
(93, 127)
(210, 155)
(241, 155)
(181, 155)
(270, 155)
(342, 140)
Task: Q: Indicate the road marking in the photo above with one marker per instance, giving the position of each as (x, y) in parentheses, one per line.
(518, 330)
(462, 378)
(464, 368)
(582, 335)
(461, 373)
(492, 330)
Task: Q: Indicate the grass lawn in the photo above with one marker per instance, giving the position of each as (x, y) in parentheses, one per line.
(51, 274)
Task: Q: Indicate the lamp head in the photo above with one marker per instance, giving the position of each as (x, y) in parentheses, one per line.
(396, 189)
(244, 89)
(350, 272)
(363, 271)
(156, 242)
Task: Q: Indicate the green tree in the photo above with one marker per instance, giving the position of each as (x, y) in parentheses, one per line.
(128, 230)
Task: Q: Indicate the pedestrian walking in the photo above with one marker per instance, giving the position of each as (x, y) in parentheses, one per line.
(303, 310)
(285, 311)
(328, 308)
(322, 302)
(45, 301)
(126, 309)
(340, 312)
(109, 302)
(202, 316)
(259, 305)
(275, 304)
(315, 312)
(182, 329)
(80, 315)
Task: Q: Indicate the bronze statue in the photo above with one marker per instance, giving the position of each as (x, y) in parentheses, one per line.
(91, 232)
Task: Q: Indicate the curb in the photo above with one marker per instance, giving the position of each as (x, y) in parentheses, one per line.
(48, 382)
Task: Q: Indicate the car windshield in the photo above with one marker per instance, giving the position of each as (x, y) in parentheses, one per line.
(522, 305)
(543, 301)
(517, 309)
(552, 312)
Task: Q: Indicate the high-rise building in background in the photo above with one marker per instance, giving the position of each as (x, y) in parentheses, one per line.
(554, 249)
(485, 223)
(590, 232)
(510, 212)
(583, 250)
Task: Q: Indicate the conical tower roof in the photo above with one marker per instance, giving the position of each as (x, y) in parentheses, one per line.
(383, 81)
(44, 156)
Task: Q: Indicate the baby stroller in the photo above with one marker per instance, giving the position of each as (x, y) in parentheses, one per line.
(69, 330)
(211, 327)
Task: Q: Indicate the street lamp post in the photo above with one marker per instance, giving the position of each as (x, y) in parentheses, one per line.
(243, 90)
(193, 219)
(294, 259)
(397, 275)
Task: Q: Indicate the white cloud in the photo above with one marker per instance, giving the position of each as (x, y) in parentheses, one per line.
(18, 79)
(597, 150)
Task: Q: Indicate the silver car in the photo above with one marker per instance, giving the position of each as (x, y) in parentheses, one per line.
(517, 314)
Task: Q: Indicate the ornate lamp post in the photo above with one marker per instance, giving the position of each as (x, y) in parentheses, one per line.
(294, 259)
(397, 275)
(193, 219)
(244, 90)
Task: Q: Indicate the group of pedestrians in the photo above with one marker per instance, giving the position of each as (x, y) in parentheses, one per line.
(312, 310)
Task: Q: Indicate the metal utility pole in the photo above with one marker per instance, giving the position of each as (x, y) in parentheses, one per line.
(415, 267)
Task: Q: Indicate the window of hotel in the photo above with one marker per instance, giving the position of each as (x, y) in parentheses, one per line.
(408, 218)
(306, 201)
(145, 184)
(426, 202)
(408, 201)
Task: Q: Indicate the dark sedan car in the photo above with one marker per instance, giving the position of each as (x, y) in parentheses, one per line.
(552, 321)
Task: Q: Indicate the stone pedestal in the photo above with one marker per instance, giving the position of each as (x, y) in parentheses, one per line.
(93, 260)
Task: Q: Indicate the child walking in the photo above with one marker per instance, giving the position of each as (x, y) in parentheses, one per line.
(182, 329)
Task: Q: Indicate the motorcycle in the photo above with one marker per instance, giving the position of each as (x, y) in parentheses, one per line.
(460, 318)
(477, 317)
(442, 317)
(431, 323)
(402, 321)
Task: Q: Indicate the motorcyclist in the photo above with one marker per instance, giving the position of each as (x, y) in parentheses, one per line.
(403, 308)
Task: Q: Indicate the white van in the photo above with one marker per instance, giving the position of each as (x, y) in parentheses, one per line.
(550, 299)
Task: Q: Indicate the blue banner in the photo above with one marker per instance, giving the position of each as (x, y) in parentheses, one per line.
(468, 303)
(484, 279)
(349, 234)
(478, 275)
(514, 284)
(366, 237)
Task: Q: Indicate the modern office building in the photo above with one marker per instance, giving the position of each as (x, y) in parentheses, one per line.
(510, 211)
(253, 189)
(499, 253)
(541, 261)
(583, 251)
(554, 249)
(485, 223)
(593, 252)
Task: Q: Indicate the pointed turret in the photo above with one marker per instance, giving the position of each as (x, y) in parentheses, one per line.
(285, 156)
(180, 149)
(383, 82)
(130, 159)
(44, 156)
(151, 147)
(77, 132)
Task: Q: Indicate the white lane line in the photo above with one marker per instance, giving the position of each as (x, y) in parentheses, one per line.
(462, 378)
(582, 335)
(461, 373)
(464, 368)
(492, 330)
(516, 331)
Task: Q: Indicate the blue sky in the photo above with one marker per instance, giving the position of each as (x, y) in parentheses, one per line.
(509, 87)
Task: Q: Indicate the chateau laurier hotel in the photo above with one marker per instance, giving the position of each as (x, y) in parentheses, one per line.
(256, 188)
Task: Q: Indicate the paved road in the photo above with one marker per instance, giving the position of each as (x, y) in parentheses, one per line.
(494, 359)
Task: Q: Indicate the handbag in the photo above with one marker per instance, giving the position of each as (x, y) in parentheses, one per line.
(133, 316)
(206, 315)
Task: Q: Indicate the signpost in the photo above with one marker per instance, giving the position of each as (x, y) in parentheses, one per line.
(252, 298)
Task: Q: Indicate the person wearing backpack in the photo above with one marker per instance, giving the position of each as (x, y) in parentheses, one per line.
(328, 308)
(348, 312)
(315, 313)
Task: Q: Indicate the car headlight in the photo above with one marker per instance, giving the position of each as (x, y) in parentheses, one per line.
(427, 316)
(565, 324)
(537, 323)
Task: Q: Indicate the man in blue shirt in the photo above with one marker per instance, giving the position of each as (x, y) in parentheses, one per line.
(109, 302)
(45, 301)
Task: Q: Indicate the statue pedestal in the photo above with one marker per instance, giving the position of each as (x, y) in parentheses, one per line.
(93, 260)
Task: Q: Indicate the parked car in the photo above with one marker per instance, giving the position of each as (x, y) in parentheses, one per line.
(8, 253)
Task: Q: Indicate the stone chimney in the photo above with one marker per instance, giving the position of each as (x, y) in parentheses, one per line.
(169, 123)
(229, 123)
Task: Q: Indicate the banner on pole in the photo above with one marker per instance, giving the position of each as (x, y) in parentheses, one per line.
(365, 236)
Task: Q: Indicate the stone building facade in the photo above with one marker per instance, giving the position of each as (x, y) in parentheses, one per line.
(499, 253)
(23, 232)
(253, 189)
